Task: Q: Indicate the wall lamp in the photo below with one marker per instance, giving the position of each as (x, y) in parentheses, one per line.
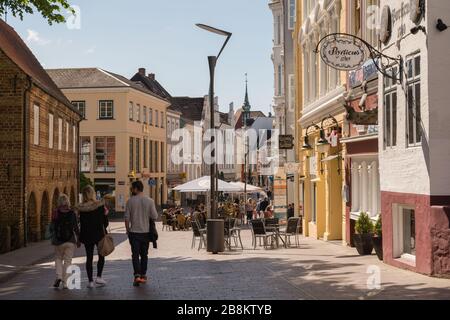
(306, 144)
(323, 139)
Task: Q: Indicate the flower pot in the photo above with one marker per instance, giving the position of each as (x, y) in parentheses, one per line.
(363, 243)
(378, 246)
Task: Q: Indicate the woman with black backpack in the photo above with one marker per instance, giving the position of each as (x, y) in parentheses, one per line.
(65, 232)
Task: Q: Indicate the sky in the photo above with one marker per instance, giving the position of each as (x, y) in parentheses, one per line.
(121, 36)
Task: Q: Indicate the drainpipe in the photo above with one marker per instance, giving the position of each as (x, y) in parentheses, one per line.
(25, 139)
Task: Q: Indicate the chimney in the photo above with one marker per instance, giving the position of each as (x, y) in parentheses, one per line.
(142, 71)
(151, 76)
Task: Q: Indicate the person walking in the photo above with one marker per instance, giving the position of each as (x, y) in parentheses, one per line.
(64, 236)
(93, 224)
(138, 212)
(249, 210)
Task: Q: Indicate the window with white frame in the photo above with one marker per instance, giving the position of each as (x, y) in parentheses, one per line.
(67, 136)
(150, 117)
(390, 109)
(404, 232)
(144, 113)
(291, 92)
(372, 12)
(278, 25)
(105, 109)
(131, 111)
(292, 12)
(60, 133)
(74, 139)
(50, 130)
(280, 80)
(138, 113)
(85, 154)
(365, 190)
(323, 67)
(80, 106)
(36, 125)
(413, 114)
(156, 118)
(162, 119)
(306, 75)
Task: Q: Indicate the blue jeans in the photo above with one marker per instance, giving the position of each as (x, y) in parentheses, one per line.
(140, 243)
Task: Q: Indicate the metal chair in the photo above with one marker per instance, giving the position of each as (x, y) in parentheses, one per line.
(292, 230)
(259, 231)
(197, 233)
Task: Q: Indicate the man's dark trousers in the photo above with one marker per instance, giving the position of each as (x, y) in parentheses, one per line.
(140, 243)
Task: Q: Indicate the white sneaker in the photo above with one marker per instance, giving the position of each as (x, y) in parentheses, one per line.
(100, 282)
(91, 285)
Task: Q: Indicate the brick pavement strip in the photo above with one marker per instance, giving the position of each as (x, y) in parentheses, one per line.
(315, 270)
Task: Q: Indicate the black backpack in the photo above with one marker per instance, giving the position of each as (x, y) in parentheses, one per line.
(64, 227)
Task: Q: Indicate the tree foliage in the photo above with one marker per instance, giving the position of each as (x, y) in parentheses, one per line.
(51, 10)
(85, 181)
(364, 224)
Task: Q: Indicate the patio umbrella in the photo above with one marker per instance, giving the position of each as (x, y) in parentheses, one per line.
(250, 188)
(203, 185)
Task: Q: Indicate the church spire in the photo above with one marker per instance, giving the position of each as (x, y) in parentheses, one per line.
(246, 107)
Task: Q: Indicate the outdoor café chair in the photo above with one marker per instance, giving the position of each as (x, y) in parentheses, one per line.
(197, 233)
(292, 230)
(165, 224)
(259, 232)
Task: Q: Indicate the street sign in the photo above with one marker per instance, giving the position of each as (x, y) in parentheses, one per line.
(291, 167)
(343, 53)
(286, 142)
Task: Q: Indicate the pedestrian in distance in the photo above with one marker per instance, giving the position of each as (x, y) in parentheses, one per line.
(138, 212)
(93, 224)
(64, 236)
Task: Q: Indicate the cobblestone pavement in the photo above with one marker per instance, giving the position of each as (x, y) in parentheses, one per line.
(315, 270)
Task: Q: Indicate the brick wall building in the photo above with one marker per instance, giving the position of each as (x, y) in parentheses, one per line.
(38, 144)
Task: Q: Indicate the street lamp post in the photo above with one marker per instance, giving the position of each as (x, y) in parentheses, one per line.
(215, 228)
(212, 62)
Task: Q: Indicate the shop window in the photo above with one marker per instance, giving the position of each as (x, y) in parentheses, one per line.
(404, 232)
(85, 154)
(105, 154)
(365, 190)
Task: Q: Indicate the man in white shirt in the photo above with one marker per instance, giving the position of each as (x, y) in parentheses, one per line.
(139, 210)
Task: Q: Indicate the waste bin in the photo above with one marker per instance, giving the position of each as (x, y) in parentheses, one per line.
(215, 241)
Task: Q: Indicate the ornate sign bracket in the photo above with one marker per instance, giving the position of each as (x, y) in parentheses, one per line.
(380, 60)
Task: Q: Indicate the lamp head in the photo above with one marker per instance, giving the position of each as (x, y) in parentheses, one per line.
(213, 30)
(306, 145)
(322, 139)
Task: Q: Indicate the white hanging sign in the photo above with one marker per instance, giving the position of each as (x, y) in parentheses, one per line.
(343, 53)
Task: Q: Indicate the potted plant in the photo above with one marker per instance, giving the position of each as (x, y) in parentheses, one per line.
(363, 236)
(377, 239)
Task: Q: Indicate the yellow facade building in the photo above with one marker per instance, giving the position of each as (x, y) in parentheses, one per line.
(123, 134)
(321, 115)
